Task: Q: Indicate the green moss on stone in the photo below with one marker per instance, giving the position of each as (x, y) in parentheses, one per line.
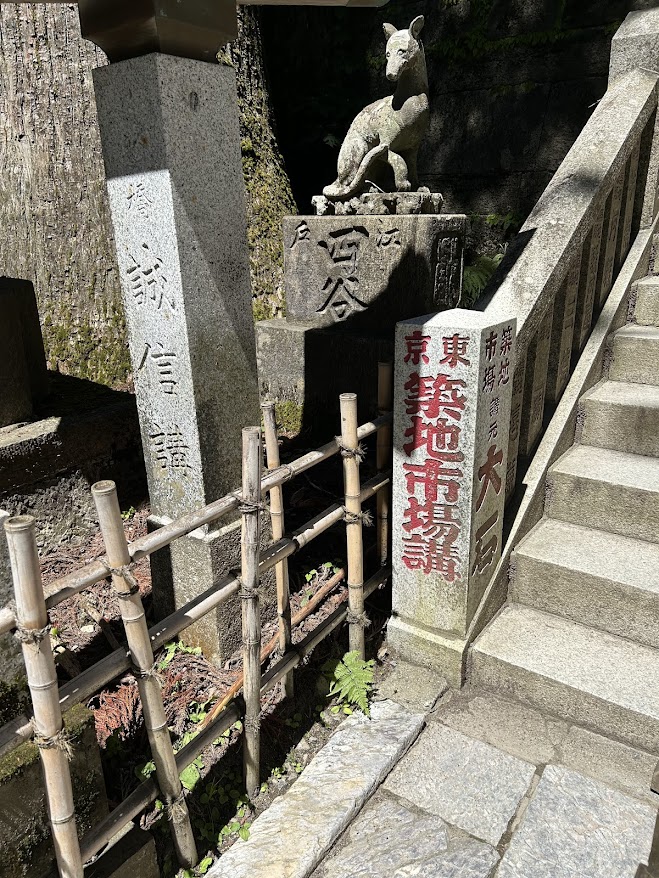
(15, 763)
(289, 416)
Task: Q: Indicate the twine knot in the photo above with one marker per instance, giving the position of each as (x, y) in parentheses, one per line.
(126, 573)
(61, 740)
(359, 619)
(364, 517)
(359, 452)
(31, 636)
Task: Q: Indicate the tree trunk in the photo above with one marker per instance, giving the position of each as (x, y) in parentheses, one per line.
(54, 215)
(269, 195)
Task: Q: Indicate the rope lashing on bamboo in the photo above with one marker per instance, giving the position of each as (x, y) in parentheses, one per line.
(360, 619)
(364, 517)
(31, 636)
(150, 673)
(176, 809)
(247, 506)
(62, 740)
(126, 573)
(252, 724)
(359, 452)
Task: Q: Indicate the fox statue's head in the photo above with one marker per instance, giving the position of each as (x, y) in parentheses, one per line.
(403, 48)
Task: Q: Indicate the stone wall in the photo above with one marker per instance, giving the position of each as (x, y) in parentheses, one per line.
(512, 82)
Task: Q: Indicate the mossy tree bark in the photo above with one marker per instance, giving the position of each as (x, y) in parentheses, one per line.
(269, 195)
(56, 228)
(55, 223)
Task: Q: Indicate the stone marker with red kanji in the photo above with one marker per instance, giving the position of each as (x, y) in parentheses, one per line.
(452, 399)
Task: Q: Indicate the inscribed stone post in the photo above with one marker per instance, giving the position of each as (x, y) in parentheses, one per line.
(452, 405)
(171, 144)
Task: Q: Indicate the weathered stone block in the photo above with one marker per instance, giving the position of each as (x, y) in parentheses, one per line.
(16, 397)
(372, 271)
(635, 43)
(22, 291)
(297, 358)
(25, 838)
(452, 399)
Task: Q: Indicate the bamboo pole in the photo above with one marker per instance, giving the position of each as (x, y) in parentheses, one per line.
(383, 458)
(272, 644)
(19, 730)
(277, 524)
(351, 453)
(139, 643)
(251, 611)
(93, 572)
(33, 632)
(147, 791)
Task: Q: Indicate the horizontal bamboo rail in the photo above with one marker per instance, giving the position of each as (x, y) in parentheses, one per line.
(19, 730)
(147, 792)
(93, 572)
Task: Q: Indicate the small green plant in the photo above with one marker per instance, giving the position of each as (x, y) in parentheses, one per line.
(477, 275)
(170, 650)
(351, 681)
(127, 514)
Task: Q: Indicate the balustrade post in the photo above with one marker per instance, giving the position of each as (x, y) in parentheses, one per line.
(609, 241)
(535, 386)
(453, 389)
(562, 333)
(588, 283)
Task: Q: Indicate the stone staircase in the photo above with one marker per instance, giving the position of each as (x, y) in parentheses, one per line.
(579, 637)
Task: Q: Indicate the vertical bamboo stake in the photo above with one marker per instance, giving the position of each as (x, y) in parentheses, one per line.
(32, 631)
(351, 454)
(251, 612)
(139, 643)
(277, 524)
(383, 457)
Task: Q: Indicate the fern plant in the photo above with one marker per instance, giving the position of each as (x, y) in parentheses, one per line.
(477, 275)
(352, 681)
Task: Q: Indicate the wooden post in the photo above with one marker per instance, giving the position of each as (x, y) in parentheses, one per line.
(32, 631)
(139, 643)
(277, 524)
(383, 458)
(351, 454)
(251, 612)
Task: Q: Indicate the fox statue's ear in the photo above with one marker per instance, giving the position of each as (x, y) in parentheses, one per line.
(389, 30)
(415, 27)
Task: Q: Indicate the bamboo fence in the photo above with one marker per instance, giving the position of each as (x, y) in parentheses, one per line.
(30, 620)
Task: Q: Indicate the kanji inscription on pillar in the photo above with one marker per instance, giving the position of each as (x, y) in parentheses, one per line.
(453, 389)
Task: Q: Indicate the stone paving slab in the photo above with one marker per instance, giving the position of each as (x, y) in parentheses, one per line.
(415, 688)
(575, 827)
(466, 782)
(391, 839)
(291, 837)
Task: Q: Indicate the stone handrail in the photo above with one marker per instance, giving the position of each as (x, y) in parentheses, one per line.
(561, 267)
(474, 390)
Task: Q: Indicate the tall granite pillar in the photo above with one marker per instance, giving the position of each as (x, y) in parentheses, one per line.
(453, 378)
(171, 145)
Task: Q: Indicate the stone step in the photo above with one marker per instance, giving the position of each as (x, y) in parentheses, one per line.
(622, 416)
(606, 683)
(588, 576)
(606, 490)
(646, 306)
(636, 355)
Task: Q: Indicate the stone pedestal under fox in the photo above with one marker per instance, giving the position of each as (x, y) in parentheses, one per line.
(391, 129)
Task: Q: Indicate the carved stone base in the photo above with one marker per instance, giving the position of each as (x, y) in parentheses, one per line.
(369, 272)
(380, 204)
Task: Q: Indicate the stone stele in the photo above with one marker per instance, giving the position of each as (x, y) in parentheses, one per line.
(452, 396)
(171, 145)
(371, 271)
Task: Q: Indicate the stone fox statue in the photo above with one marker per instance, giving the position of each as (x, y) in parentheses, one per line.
(391, 129)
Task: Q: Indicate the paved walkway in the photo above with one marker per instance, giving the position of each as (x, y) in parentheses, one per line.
(488, 789)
